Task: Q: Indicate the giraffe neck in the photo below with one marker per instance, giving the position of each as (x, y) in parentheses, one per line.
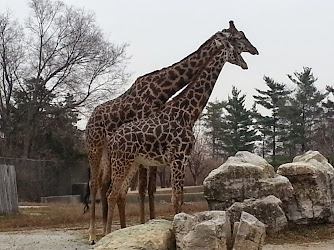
(189, 104)
(164, 83)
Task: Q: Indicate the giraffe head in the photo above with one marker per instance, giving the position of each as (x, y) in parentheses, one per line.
(233, 56)
(241, 43)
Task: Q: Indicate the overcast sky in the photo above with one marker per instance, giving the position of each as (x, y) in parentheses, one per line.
(288, 34)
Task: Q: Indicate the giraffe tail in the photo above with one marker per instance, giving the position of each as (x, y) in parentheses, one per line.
(87, 195)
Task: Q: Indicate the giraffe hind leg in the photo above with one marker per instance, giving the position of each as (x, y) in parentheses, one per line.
(94, 163)
(104, 203)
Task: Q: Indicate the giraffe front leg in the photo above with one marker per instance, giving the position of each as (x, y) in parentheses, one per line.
(142, 185)
(121, 173)
(121, 211)
(123, 192)
(177, 176)
(152, 183)
(113, 194)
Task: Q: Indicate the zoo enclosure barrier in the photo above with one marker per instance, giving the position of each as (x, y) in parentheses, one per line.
(40, 178)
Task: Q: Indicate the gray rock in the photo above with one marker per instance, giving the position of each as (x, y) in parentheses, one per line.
(268, 210)
(182, 224)
(250, 233)
(241, 177)
(312, 178)
(204, 230)
(155, 234)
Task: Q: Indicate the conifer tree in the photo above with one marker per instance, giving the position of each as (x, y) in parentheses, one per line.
(305, 110)
(273, 100)
(238, 130)
(212, 123)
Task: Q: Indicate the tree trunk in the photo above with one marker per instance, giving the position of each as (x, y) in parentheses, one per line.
(195, 180)
(134, 182)
(30, 132)
(27, 142)
(162, 176)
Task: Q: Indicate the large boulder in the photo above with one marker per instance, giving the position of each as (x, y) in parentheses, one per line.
(268, 210)
(155, 234)
(312, 178)
(241, 177)
(204, 230)
(250, 233)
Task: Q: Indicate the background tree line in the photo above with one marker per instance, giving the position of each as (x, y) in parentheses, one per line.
(58, 65)
(298, 119)
(54, 68)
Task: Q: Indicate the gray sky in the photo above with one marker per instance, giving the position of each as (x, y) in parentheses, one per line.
(288, 34)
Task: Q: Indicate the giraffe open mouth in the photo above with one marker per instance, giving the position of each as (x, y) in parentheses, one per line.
(242, 62)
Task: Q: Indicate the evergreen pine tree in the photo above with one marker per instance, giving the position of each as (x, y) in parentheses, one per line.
(306, 109)
(273, 100)
(238, 131)
(261, 124)
(212, 123)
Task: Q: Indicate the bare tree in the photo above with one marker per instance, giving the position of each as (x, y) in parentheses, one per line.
(12, 58)
(66, 57)
(199, 153)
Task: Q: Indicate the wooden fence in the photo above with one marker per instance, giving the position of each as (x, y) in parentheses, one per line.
(8, 190)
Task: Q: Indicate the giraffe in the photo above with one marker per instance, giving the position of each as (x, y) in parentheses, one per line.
(142, 99)
(166, 138)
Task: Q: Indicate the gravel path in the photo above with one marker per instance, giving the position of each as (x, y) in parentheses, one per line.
(52, 239)
(58, 239)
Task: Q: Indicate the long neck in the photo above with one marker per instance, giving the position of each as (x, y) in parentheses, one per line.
(189, 104)
(164, 83)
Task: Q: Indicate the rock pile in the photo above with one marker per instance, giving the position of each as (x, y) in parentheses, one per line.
(256, 201)
(242, 177)
(301, 192)
(155, 234)
(201, 231)
(312, 178)
(212, 230)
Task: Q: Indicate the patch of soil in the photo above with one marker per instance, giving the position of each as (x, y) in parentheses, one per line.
(326, 245)
(53, 239)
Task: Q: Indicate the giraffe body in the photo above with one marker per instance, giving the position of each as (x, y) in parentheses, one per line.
(142, 99)
(165, 138)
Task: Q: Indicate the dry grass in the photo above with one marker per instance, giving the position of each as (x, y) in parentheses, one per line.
(51, 216)
(303, 234)
(71, 216)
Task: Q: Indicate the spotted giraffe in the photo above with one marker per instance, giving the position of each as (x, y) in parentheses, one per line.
(166, 138)
(142, 99)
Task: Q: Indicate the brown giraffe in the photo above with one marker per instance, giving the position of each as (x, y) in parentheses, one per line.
(142, 99)
(166, 138)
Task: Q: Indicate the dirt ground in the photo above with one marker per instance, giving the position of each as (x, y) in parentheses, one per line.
(327, 245)
(57, 239)
(51, 239)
